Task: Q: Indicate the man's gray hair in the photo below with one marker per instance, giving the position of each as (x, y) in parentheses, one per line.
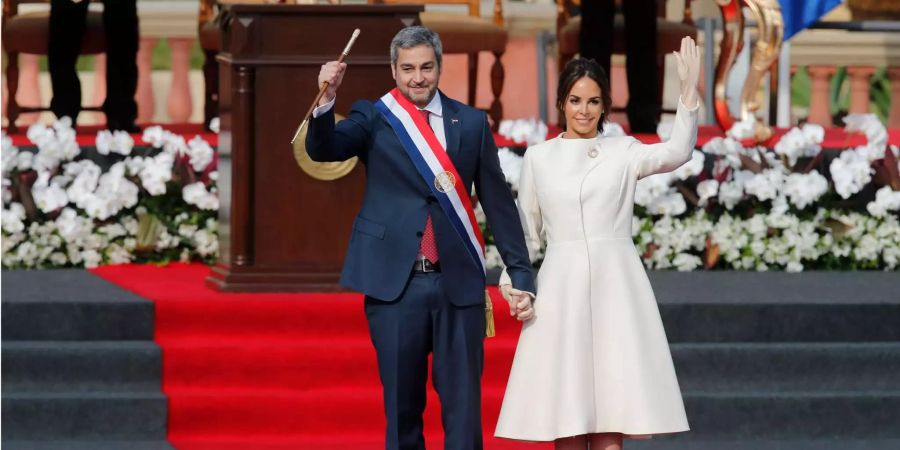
(415, 36)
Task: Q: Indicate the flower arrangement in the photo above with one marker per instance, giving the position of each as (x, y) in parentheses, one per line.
(737, 205)
(734, 205)
(67, 206)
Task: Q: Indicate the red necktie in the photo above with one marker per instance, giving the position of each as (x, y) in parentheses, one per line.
(428, 247)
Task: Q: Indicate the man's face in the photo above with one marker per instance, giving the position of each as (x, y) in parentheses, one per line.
(417, 74)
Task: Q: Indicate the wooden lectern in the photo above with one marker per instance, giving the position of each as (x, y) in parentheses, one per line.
(280, 229)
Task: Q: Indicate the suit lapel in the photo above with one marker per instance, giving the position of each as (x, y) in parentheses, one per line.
(452, 126)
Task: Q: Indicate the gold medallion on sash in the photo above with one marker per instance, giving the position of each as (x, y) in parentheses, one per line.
(445, 182)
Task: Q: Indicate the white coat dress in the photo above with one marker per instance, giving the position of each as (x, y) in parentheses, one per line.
(595, 358)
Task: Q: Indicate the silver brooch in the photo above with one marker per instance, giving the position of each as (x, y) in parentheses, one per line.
(594, 151)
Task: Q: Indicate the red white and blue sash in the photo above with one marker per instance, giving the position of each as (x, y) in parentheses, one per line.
(431, 160)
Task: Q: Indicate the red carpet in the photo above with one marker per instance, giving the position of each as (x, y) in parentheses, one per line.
(282, 371)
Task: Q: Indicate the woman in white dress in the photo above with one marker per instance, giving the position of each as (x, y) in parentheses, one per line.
(593, 364)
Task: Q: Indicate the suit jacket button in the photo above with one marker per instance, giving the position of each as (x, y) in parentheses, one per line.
(431, 199)
(419, 233)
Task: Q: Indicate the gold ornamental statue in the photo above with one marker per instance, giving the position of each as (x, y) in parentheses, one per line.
(770, 35)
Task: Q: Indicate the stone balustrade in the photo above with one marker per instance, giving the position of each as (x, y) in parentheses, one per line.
(174, 21)
(181, 96)
(823, 51)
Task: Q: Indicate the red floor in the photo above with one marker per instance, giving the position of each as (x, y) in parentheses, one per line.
(279, 371)
(87, 134)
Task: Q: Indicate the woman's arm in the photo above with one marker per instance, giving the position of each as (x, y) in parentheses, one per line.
(667, 156)
(520, 302)
(529, 213)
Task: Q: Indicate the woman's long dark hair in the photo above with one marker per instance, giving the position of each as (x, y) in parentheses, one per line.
(574, 71)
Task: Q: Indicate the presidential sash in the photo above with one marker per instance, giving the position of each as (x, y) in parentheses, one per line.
(434, 165)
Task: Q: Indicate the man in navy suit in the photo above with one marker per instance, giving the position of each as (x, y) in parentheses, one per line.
(424, 289)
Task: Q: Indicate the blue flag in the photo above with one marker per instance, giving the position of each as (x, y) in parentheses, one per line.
(800, 14)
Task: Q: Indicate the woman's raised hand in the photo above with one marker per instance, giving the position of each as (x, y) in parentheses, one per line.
(689, 70)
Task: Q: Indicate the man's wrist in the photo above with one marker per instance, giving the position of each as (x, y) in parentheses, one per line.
(322, 109)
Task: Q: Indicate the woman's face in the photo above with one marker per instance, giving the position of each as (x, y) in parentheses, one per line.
(583, 108)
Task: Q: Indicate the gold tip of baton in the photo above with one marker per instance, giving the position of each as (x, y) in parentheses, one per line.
(325, 86)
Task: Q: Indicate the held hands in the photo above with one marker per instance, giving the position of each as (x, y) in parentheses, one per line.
(519, 302)
(331, 73)
(689, 71)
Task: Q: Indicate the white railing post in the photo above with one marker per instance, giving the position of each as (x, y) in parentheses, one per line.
(144, 95)
(29, 93)
(860, 87)
(179, 102)
(99, 94)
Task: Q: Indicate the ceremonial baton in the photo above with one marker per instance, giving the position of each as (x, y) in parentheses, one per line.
(325, 86)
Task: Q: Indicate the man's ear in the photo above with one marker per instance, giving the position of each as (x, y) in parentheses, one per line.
(394, 71)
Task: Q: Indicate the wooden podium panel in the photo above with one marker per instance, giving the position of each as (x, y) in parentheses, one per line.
(280, 229)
